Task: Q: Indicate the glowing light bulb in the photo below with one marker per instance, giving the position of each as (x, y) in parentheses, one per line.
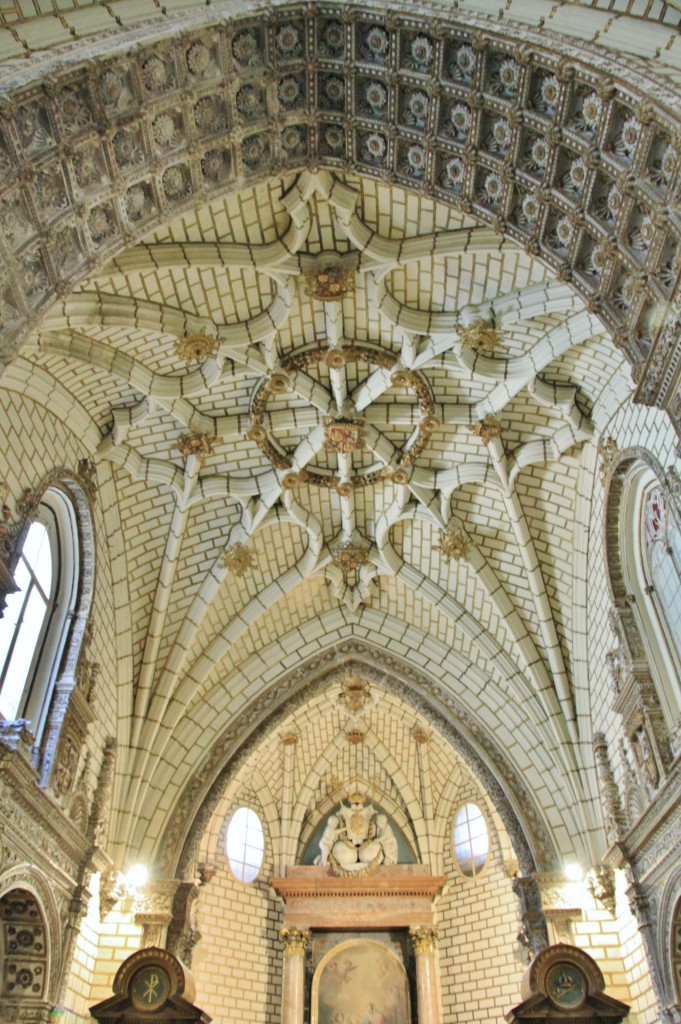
(136, 876)
(573, 872)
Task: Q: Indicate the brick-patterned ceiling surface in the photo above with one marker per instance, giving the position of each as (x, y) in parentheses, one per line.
(411, 449)
(404, 464)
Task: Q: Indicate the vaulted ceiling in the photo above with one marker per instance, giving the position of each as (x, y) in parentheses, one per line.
(409, 466)
(310, 460)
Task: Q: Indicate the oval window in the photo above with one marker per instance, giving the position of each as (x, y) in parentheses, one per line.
(245, 844)
(471, 840)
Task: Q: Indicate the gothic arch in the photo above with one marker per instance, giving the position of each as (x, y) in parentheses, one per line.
(606, 170)
(617, 472)
(178, 845)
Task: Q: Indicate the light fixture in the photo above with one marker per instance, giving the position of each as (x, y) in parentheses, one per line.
(136, 877)
(573, 871)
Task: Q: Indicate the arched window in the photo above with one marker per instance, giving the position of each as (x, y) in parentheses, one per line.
(471, 840)
(245, 846)
(650, 545)
(34, 627)
(663, 553)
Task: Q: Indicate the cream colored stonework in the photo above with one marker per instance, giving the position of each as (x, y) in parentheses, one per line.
(417, 486)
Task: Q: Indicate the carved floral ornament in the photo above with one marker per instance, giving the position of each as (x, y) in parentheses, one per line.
(239, 558)
(505, 130)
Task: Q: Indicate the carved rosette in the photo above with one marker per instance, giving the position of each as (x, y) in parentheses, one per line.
(330, 284)
(194, 348)
(198, 445)
(238, 558)
(454, 544)
(481, 337)
(295, 941)
(486, 429)
(423, 940)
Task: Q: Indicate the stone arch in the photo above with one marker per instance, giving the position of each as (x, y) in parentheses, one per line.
(80, 489)
(101, 186)
(73, 668)
(669, 940)
(178, 845)
(637, 699)
(617, 472)
(36, 913)
(411, 823)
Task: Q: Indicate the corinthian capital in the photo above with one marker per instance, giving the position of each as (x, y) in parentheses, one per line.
(424, 940)
(295, 942)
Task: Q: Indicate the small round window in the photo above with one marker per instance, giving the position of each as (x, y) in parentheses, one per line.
(471, 840)
(245, 844)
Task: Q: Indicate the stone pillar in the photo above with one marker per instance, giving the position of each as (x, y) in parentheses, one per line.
(424, 942)
(295, 943)
(153, 910)
(288, 742)
(534, 935)
(645, 918)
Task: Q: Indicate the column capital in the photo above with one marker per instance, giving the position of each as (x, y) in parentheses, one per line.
(424, 940)
(295, 941)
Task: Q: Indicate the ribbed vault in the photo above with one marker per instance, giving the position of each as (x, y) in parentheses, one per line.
(462, 179)
(403, 708)
(557, 149)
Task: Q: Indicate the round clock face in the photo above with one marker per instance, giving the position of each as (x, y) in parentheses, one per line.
(149, 988)
(566, 986)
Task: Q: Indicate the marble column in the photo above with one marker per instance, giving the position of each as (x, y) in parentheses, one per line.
(424, 942)
(295, 943)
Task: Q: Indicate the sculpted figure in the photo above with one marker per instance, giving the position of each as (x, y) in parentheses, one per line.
(329, 836)
(357, 839)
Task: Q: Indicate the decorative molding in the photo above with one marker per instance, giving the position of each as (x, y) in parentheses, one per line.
(437, 705)
(423, 940)
(294, 940)
(534, 934)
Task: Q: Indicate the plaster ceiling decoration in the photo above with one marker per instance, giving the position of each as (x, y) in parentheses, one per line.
(579, 169)
(343, 301)
(278, 455)
(399, 754)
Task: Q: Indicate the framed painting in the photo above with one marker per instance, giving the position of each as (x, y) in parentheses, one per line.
(360, 982)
